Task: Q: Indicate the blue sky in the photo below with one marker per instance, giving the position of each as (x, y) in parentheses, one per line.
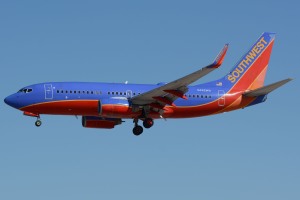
(246, 154)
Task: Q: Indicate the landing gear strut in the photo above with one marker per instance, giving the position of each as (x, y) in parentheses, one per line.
(137, 130)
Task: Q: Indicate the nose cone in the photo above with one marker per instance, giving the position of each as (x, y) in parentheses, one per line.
(12, 101)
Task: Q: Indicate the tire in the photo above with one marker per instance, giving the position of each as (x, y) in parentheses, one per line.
(137, 130)
(38, 123)
(148, 123)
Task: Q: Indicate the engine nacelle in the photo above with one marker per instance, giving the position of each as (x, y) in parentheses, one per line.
(99, 122)
(113, 107)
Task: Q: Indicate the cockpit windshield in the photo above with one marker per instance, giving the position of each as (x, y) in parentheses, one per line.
(25, 90)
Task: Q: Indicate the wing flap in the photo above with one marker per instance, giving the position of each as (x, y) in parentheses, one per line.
(266, 89)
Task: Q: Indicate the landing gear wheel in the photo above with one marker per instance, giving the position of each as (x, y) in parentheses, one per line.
(38, 123)
(137, 130)
(148, 123)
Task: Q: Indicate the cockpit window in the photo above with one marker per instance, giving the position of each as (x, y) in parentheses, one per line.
(25, 90)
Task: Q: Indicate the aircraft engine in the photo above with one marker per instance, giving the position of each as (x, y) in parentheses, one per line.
(100, 122)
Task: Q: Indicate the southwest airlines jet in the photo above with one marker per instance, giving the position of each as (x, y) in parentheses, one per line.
(104, 105)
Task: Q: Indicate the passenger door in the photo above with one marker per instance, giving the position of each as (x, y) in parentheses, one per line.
(48, 91)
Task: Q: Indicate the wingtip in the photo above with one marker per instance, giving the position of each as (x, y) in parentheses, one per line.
(220, 58)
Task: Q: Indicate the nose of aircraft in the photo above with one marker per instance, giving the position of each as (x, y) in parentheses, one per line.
(12, 101)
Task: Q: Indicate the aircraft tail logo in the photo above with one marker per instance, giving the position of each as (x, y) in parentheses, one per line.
(250, 71)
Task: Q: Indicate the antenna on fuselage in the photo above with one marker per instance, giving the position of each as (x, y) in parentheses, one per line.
(162, 117)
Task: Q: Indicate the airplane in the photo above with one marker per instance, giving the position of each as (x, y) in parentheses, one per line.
(105, 105)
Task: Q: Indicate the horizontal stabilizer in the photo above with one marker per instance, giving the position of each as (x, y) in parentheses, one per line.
(266, 89)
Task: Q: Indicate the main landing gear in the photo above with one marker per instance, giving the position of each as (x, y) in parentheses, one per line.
(148, 123)
(138, 130)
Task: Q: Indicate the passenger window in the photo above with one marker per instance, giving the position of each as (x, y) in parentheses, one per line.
(92, 92)
(74, 91)
(87, 92)
(78, 92)
(113, 93)
(66, 92)
(71, 91)
(57, 91)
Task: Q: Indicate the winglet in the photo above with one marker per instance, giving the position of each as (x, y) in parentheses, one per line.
(219, 59)
(266, 89)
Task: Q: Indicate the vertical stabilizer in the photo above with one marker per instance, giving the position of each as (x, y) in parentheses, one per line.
(250, 70)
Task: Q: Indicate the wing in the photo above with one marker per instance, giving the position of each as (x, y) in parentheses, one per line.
(169, 92)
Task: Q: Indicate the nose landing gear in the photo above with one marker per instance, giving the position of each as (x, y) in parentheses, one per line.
(38, 122)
